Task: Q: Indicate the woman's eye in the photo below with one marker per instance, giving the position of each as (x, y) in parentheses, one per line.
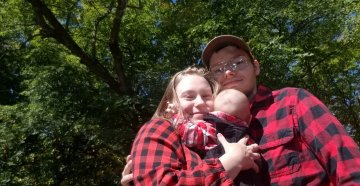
(189, 97)
(207, 96)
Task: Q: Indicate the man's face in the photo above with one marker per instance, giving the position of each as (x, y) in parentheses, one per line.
(234, 69)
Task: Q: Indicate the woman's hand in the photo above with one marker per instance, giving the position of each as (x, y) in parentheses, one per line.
(238, 156)
(127, 175)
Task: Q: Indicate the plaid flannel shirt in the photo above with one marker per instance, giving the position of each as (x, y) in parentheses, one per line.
(301, 141)
(201, 135)
(159, 158)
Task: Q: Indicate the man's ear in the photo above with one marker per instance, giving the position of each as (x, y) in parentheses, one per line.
(256, 67)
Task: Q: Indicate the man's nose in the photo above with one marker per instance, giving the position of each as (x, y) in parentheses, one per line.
(229, 72)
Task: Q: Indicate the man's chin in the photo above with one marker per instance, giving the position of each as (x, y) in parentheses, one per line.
(232, 86)
(232, 83)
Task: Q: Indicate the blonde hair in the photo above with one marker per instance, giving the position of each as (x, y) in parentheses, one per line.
(170, 95)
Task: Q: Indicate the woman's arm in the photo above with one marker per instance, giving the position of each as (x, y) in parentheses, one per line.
(159, 158)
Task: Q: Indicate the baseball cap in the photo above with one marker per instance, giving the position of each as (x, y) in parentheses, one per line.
(222, 41)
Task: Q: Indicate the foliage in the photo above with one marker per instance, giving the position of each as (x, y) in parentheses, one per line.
(9, 73)
(75, 89)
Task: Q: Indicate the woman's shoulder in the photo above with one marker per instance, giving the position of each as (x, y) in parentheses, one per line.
(157, 127)
(157, 122)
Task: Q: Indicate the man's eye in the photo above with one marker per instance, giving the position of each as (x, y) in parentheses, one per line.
(237, 63)
(217, 70)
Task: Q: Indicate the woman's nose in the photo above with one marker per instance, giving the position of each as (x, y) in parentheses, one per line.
(199, 101)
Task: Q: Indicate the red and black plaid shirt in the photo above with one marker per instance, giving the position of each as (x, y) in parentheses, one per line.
(301, 141)
(160, 158)
(201, 135)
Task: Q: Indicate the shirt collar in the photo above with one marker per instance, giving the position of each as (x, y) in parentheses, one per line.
(262, 94)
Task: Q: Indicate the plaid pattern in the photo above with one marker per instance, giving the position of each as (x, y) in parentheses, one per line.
(233, 132)
(160, 158)
(201, 136)
(232, 128)
(301, 141)
(230, 118)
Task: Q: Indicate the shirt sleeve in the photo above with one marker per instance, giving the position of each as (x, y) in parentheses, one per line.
(159, 158)
(328, 140)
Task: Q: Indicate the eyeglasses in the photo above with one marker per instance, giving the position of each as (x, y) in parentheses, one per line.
(237, 64)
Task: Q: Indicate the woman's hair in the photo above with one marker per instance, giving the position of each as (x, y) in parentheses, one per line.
(170, 95)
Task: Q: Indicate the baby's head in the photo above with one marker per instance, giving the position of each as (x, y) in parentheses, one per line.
(234, 103)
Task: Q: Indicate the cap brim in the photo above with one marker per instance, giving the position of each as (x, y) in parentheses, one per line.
(220, 42)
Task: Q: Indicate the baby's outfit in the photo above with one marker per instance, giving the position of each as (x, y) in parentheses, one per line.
(201, 137)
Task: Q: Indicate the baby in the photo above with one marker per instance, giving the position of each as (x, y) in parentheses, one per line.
(231, 118)
(233, 102)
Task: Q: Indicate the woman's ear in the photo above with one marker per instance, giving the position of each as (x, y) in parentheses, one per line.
(171, 108)
(256, 67)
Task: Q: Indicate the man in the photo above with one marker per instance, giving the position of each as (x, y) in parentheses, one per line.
(301, 142)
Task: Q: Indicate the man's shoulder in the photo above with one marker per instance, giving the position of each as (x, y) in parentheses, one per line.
(287, 89)
(284, 95)
(263, 90)
(290, 91)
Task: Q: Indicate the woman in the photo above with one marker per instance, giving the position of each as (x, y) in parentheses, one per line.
(159, 157)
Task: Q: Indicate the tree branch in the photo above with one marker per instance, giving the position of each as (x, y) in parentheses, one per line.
(96, 26)
(114, 43)
(302, 26)
(271, 23)
(136, 7)
(69, 14)
(52, 28)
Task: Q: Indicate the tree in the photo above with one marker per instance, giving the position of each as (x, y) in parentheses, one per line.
(86, 74)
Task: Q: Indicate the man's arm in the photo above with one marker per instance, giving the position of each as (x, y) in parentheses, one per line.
(329, 141)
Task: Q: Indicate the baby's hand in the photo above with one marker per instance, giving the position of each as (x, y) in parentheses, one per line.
(253, 152)
(238, 156)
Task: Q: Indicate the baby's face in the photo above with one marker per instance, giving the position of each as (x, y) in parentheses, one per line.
(233, 102)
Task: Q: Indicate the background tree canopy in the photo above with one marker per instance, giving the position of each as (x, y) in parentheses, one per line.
(79, 77)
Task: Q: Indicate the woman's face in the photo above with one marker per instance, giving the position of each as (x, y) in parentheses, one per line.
(195, 96)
